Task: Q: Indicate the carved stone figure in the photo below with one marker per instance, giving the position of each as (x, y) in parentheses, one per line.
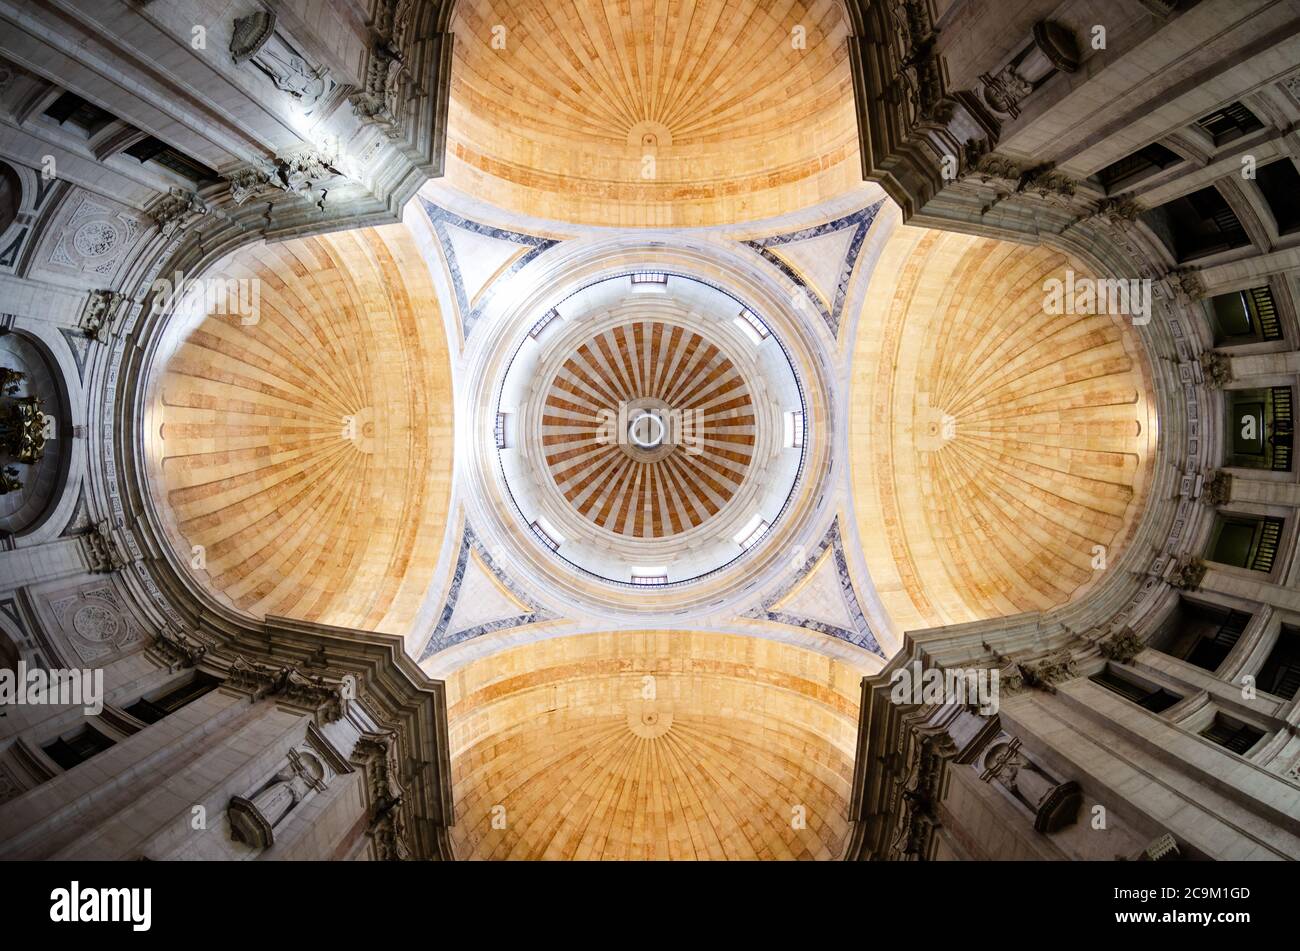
(256, 40)
(253, 819)
(1053, 804)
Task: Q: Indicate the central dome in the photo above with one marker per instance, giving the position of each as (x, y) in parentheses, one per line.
(649, 429)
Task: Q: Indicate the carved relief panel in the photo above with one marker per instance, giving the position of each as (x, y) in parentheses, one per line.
(90, 623)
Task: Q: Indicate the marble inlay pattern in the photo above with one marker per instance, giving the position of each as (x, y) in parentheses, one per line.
(441, 219)
(442, 637)
(861, 633)
(861, 221)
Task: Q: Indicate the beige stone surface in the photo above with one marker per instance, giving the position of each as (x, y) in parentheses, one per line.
(552, 121)
(994, 445)
(309, 453)
(652, 745)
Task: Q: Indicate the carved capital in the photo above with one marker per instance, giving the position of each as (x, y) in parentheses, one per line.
(1217, 489)
(250, 182)
(1187, 573)
(100, 550)
(1047, 672)
(1216, 368)
(1122, 646)
(176, 210)
(178, 649)
(97, 315)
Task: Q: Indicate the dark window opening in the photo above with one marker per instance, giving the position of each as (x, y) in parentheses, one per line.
(1279, 182)
(1232, 734)
(151, 711)
(86, 116)
(1155, 699)
(1201, 634)
(1245, 316)
(1261, 428)
(76, 749)
(1198, 224)
(1148, 159)
(150, 149)
(1230, 122)
(1280, 674)
(1246, 541)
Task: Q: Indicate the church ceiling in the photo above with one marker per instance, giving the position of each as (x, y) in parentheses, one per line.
(302, 449)
(652, 745)
(1000, 453)
(651, 112)
(728, 429)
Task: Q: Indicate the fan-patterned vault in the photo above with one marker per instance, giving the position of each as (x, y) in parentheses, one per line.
(661, 489)
(304, 452)
(652, 112)
(652, 745)
(1000, 452)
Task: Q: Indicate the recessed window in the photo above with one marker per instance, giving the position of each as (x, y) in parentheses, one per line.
(1197, 225)
(1146, 160)
(1261, 428)
(1245, 316)
(794, 429)
(1279, 183)
(151, 711)
(754, 530)
(650, 277)
(150, 149)
(74, 750)
(71, 109)
(1232, 734)
(1155, 699)
(548, 318)
(543, 530)
(1280, 674)
(1246, 541)
(1201, 634)
(499, 431)
(649, 576)
(756, 329)
(1229, 122)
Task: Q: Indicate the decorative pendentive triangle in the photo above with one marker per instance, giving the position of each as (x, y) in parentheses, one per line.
(479, 257)
(481, 600)
(80, 522)
(821, 259)
(79, 344)
(822, 598)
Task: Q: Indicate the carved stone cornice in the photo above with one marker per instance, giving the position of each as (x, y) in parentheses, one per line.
(176, 210)
(1217, 489)
(1121, 646)
(101, 552)
(1047, 672)
(1187, 573)
(1216, 368)
(97, 315)
(178, 649)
